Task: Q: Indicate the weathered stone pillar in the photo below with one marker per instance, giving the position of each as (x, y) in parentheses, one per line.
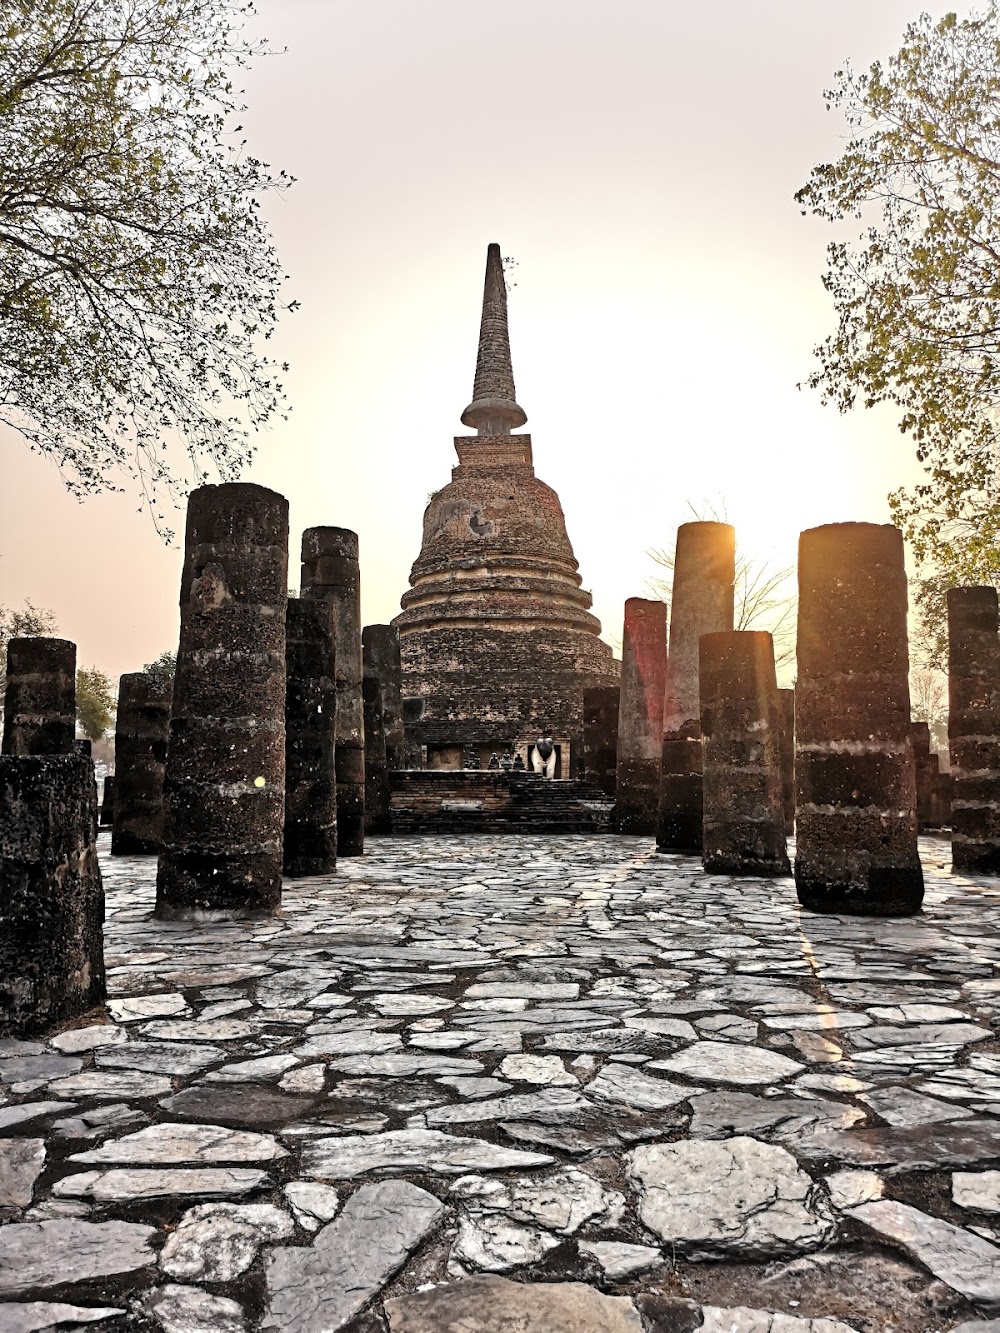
(640, 715)
(600, 736)
(786, 722)
(330, 570)
(376, 765)
(380, 654)
(925, 771)
(142, 733)
(224, 788)
(108, 801)
(310, 739)
(51, 896)
(744, 808)
(855, 818)
(701, 603)
(39, 713)
(974, 729)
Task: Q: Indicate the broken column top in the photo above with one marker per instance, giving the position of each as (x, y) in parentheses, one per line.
(973, 609)
(40, 702)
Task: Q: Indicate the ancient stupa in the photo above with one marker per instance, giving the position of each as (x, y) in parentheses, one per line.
(498, 641)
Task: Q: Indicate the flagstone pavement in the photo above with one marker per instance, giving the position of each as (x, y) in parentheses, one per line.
(516, 1085)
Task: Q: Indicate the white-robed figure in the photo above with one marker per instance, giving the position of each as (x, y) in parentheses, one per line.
(543, 757)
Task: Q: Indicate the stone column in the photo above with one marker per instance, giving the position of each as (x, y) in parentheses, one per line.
(600, 736)
(701, 603)
(39, 714)
(855, 818)
(310, 739)
(974, 729)
(330, 570)
(640, 715)
(224, 788)
(376, 764)
(380, 654)
(108, 801)
(142, 733)
(51, 895)
(925, 771)
(786, 722)
(744, 808)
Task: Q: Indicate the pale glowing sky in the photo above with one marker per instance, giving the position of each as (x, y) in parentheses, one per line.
(638, 159)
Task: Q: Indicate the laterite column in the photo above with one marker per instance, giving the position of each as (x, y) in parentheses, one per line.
(974, 729)
(39, 711)
(744, 808)
(224, 788)
(926, 773)
(600, 736)
(856, 818)
(107, 817)
(701, 603)
(640, 715)
(376, 765)
(786, 721)
(330, 570)
(380, 655)
(142, 734)
(310, 739)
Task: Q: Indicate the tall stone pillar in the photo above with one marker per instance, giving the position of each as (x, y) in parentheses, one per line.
(600, 736)
(380, 655)
(330, 570)
(640, 715)
(310, 739)
(224, 787)
(786, 722)
(107, 816)
(376, 763)
(701, 603)
(39, 714)
(974, 729)
(744, 808)
(926, 773)
(142, 733)
(856, 819)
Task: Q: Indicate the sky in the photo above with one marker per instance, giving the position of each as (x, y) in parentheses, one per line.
(637, 159)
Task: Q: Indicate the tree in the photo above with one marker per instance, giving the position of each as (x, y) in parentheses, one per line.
(95, 702)
(917, 294)
(165, 665)
(137, 277)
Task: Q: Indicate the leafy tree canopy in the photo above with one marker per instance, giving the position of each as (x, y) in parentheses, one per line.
(137, 278)
(95, 702)
(164, 665)
(917, 290)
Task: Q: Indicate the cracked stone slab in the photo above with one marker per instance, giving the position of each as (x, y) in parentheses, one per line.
(544, 1070)
(123, 1085)
(979, 1190)
(729, 1062)
(632, 1087)
(560, 1102)
(498, 1305)
(198, 1144)
(918, 1148)
(125, 1184)
(216, 1242)
(180, 1309)
(406, 1064)
(849, 1189)
(492, 1243)
(410, 1150)
(904, 1106)
(21, 1163)
(135, 1007)
(735, 1196)
(246, 1104)
(318, 1289)
(88, 1039)
(965, 1262)
(61, 1251)
(561, 1201)
(159, 1057)
(740, 1319)
(311, 1202)
(41, 1316)
(723, 1113)
(619, 1261)
(27, 1111)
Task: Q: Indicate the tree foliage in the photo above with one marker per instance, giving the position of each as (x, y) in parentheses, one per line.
(95, 702)
(27, 622)
(137, 277)
(917, 290)
(165, 665)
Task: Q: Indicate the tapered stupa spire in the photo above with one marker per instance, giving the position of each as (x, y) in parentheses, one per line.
(494, 409)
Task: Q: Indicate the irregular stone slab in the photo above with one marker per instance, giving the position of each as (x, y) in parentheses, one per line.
(307, 1078)
(147, 1006)
(20, 1115)
(619, 1261)
(180, 1309)
(410, 1150)
(561, 1201)
(248, 1104)
(312, 1203)
(492, 1243)
(359, 1041)
(631, 1087)
(977, 1189)
(219, 1029)
(23, 1068)
(319, 1289)
(561, 1102)
(932, 1147)
(21, 1163)
(720, 1114)
(249, 1071)
(848, 1189)
(545, 1070)
(99, 1120)
(125, 1184)
(523, 990)
(904, 1106)
(159, 1057)
(124, 1085)
(407, 1006)
(476, 1087)
(965, 1262)
(738, 1196)
(498, 1305)
(406, 1064)
(740, 1319)
(727, 1062)
(87, 1039)
(215, 1242)
(56, 1253)
(40, 1316)
(200, 1144)
(940, 1034)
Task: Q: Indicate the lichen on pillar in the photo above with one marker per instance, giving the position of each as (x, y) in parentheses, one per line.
(310, 841)
(744, 809)
(39, 714)
(640, 715)
(142, 734)
(224, 787)
(856, 820)
(974, 729)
